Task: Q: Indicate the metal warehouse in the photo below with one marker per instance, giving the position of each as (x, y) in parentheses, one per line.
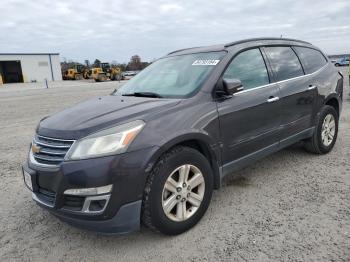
(29, 67)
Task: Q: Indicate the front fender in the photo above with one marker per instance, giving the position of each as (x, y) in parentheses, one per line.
(212, 149)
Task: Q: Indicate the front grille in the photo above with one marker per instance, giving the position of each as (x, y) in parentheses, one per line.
(46, 196)
(51, 150)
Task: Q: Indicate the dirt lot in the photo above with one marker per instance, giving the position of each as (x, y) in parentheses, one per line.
(291, 206)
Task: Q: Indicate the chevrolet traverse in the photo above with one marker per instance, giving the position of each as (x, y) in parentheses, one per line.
(153, 151)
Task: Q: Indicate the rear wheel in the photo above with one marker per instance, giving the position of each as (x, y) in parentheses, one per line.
(326, 132)
(178, 191)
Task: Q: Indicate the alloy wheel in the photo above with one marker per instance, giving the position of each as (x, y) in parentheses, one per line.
(328, 130)
(183, 193)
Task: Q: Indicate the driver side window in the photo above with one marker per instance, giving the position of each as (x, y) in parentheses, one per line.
(250, 68)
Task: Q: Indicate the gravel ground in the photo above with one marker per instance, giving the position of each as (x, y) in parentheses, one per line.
(290, 206)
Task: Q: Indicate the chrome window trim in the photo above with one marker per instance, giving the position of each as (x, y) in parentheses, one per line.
(282, 81)
(255, 88)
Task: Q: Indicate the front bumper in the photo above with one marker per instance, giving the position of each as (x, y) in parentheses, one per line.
(120, 213)
(125, 221)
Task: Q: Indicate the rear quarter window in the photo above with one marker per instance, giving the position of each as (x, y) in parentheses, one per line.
(284, 62)
(311, 59)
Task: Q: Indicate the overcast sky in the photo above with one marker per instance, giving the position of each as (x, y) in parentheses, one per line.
(116, 30)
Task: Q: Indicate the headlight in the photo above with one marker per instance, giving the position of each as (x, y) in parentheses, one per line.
(115, 140)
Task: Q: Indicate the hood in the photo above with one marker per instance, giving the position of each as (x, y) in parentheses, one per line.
(99, 113)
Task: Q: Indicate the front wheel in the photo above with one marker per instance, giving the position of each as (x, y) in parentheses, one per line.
(326, 132)
(178, 191)
(101, 78)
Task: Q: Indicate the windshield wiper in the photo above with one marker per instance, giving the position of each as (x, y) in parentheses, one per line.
(143, 94)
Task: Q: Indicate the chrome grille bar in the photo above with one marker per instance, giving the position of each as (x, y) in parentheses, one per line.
(51, 151)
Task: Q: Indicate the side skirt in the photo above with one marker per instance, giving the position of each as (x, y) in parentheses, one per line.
(242, 162)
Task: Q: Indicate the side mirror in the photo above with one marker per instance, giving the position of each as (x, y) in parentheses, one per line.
(232, 85)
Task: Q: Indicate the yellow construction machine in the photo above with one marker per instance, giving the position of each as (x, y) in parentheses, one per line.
(97, 74)
(72, 74)
(115, 73)
(105, 72)
(78, 72)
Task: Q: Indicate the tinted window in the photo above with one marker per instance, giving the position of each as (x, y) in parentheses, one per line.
(249, 67)
(284, 62)
(311, 59)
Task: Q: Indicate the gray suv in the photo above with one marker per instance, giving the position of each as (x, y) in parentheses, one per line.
(154, 150)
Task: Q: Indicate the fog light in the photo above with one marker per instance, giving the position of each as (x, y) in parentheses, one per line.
(89, 191)
(97, 205)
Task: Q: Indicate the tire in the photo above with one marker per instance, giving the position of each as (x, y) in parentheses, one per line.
(102, 78)
(154, 215)
(336, 64)
(316, 144)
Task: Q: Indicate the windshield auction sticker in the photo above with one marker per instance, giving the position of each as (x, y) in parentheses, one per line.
(206, 62)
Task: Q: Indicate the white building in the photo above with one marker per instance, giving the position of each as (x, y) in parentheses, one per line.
(29, 67)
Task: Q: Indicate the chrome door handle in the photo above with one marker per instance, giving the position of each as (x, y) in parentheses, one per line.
(311, 87)
(273, 99)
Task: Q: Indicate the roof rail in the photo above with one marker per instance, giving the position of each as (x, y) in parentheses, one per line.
(183, 49)
(264, 38)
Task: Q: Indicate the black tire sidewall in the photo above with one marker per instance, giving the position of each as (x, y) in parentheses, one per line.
(159, 219)
(325, 111)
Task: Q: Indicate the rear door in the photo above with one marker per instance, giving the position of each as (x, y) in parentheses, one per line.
(314, 64)
(297, 95)
(249, 121)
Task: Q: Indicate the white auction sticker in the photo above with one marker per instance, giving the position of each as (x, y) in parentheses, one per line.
(206, 62)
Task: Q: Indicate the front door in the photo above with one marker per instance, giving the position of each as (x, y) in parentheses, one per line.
(250, 120)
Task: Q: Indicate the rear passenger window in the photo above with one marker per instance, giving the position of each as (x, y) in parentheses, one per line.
(311, 59)
(284, 62)
(250, 68)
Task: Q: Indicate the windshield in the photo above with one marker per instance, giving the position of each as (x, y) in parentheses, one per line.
(173, 77)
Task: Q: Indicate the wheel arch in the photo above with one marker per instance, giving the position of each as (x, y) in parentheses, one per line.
(333, 101)
(197, 141)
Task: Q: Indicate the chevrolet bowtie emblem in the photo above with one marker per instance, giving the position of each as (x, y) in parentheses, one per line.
(35, 148)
